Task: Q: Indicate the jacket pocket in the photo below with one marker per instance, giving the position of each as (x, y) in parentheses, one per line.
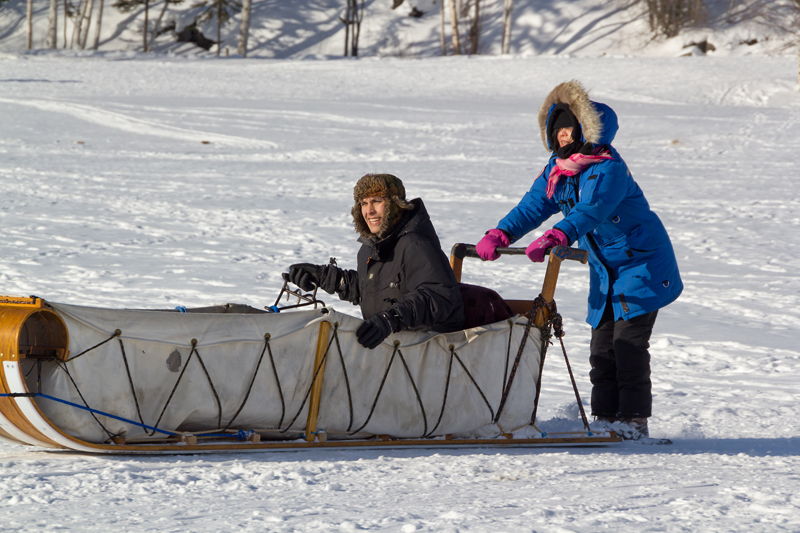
(392, 290)
(624, 248)
(640, 242)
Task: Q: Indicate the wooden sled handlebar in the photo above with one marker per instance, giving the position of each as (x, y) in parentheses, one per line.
(557, 254)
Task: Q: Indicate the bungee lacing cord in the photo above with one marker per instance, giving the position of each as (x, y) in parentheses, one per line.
(65, 369)
(211, 383)
(414, 385)
(508, 350)
(446, 390)
(267, 347)
(117, 333)
(153, 429)
(130, 381)
(242, 434)
(346, 381)
(175, 387)
(517, 359)
(380, 389)
(559, 333)
(208, 377)
(555, 322)
(250, 387)
(491, 411)
(316, 373)
(544, 335)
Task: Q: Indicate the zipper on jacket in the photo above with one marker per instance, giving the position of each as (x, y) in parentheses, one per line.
(595, 247)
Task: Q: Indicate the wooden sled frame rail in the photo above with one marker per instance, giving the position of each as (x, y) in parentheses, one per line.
(21, 420)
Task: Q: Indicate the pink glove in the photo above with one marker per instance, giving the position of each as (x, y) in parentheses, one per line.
(487, 247)
(553, 237)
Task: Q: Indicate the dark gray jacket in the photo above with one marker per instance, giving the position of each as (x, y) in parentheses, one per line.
(408, 272)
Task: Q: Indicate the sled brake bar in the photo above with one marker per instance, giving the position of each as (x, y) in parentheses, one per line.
(462, 250)
(557, 255)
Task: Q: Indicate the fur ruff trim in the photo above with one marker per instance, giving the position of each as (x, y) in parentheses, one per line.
(573, 94)
(388, 187)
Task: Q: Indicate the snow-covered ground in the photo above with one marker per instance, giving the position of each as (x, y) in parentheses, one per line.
(165, 181)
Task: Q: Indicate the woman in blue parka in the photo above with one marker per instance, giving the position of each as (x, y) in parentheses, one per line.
(633, 268)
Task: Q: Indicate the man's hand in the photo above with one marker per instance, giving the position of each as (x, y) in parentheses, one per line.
(304, 275)
(376, 328)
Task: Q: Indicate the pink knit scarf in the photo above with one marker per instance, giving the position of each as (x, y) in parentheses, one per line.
(569, 167)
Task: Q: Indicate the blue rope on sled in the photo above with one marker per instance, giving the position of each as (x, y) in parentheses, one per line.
(39, 394)
(240, 435)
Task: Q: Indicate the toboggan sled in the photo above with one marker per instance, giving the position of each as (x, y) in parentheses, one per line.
(234, 378)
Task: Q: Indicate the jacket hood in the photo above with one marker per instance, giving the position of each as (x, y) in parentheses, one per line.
(414, 220)
(598, 121)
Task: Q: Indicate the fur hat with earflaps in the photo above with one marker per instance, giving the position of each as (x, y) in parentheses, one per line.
(572, 108)
(387, 187)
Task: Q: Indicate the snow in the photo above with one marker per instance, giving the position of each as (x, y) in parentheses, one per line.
(157, 181)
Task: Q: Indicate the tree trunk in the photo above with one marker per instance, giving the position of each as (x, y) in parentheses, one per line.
(475, 29)
(219, 15)
(346, 22)
(146, 24)
(244, 31)
(65, 24)
(84, 35)
(359, 16)
(98, 25)
(508, 17)
(52, 33)
(157, 24)
(454, 24)
(442, 40)
(353, 15)
(29, 25)
(353, 43)
(76, 29)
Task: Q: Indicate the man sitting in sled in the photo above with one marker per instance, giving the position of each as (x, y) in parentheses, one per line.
(403, 279)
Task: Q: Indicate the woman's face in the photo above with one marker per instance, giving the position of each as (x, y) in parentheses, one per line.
(372, 210)
(564, 136)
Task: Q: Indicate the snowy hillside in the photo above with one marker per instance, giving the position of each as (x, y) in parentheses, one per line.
(311, 28)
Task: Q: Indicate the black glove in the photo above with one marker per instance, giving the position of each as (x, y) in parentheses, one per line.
(376, 328)
(304, 275)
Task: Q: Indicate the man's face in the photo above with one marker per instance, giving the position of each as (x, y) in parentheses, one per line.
(564, 136)
(372, 209)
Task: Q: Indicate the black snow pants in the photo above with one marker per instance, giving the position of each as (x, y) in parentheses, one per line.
(620, 362)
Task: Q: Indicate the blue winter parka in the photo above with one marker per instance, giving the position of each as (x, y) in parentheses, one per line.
(630, 254)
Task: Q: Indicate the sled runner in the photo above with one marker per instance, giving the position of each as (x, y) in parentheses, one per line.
(236, 378)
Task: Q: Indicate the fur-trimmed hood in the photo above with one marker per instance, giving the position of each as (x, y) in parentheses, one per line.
(598, 121)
